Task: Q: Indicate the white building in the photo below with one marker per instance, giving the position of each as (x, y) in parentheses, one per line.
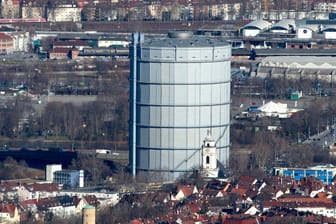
(253, 28)
(209, 157)
(325, 6)
(64, 13)
(284, 26)
(103, 42)
(304, 33)
(50, 169)
(323, 209)
(329, 32)
(21, 41)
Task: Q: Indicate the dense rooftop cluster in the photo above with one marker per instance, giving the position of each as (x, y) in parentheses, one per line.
(35, 201)
(85, 10)
(248, 200)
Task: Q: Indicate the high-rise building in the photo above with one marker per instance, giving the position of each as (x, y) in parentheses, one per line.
(180, 89)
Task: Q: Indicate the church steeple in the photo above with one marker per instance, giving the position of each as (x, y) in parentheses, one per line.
(209, 157)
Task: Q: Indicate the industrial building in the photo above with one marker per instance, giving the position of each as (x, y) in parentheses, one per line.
(253, 28)
(50, 169)
(69, 178)
(180, 89)
(298, 67)
(324, 173)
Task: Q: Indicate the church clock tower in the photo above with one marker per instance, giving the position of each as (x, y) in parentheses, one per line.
(209, 157)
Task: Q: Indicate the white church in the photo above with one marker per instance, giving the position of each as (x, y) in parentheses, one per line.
(209, 158)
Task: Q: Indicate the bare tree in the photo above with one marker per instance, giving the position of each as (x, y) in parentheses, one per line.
(96, 170)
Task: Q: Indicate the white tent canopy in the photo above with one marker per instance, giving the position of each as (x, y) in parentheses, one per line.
(273, 109)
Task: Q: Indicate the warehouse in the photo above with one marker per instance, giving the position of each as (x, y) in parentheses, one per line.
(296, 67)
(253, 28)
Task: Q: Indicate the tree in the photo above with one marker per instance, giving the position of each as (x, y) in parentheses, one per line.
(238, 163)
(96, 170)
(299, 156)
(261, 155)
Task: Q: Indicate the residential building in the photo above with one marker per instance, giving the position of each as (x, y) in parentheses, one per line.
(10, 9)
(59, 53)
(68, 12)
(81, 202)
(83, 3)
(37, 190)
(90, 12)
(29, 205)
(21, 41)
(6, 44)
(184, 191)
(9, 214)
(62, 206)
(33, 9)
(109, 11)
(153, 9)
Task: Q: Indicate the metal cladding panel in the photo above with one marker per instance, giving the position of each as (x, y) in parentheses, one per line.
(168, 54)
(184, 92)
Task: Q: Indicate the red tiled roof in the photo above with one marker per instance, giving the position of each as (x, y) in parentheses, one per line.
(311, 182)
(137, 221)
(45, 203)
(71, 43)
(245, 180)
(240, 219)
(303, 199)
(60, 50)
(4, 36)
(7, 208)
(240, 191)
(91, 199)
(76, 200)
(15, 2)
(187, 190)
(319, 219)
(25, 203)
(161, 196)
(297, 204)
(279, 180)
(46, 187)
(210, 192)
